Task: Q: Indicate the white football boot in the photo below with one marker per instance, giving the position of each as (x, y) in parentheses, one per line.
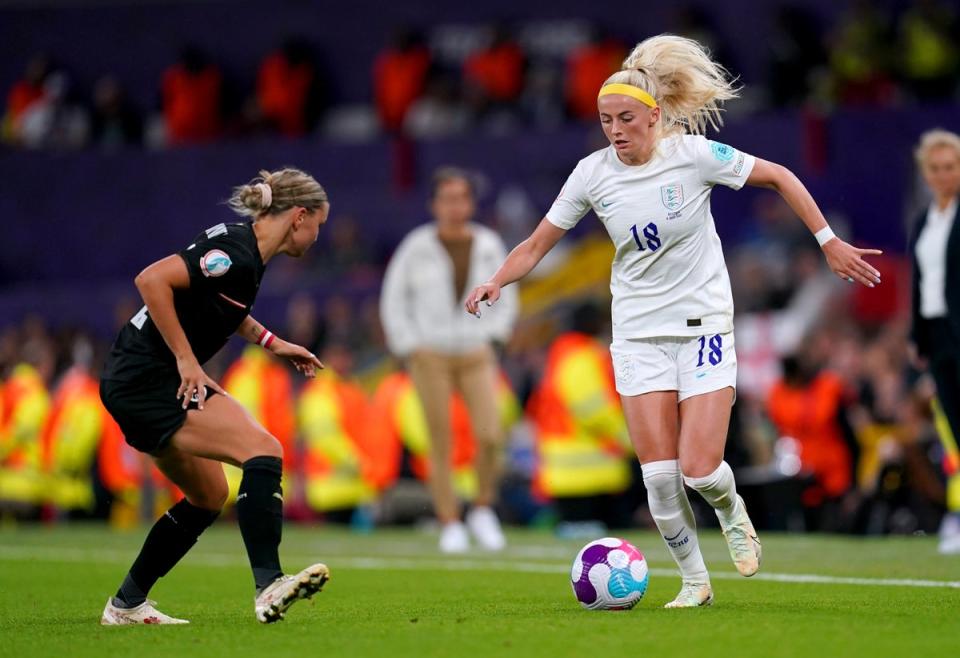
(692, 595)
(277, 597)
(454, 538)
(145, 613)
(742, 541)
(485, 527)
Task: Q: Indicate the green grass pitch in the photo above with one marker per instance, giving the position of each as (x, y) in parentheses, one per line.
(391, 594)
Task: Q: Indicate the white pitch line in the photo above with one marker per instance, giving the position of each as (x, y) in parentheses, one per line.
(46, 554)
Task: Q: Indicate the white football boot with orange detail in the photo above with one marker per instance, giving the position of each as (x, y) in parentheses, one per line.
(277, 597)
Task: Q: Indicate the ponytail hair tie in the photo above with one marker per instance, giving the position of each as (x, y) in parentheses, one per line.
(266, 194)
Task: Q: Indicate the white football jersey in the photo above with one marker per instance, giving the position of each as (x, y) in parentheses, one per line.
(668, 276)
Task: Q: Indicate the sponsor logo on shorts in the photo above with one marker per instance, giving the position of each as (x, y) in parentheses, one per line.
(625, 369)
(215, 263)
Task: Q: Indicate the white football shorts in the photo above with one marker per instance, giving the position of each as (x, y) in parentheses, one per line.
(689, 365)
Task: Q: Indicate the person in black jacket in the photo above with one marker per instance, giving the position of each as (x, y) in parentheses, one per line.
(935, 332)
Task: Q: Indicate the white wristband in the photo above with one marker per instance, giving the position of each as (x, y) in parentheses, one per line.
(824, 235)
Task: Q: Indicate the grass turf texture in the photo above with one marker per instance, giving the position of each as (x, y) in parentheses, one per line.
(392, 594)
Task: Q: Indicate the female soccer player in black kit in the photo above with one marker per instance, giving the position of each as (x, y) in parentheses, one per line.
(154, 385)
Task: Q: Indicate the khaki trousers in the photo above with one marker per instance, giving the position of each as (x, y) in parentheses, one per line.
(474, 375)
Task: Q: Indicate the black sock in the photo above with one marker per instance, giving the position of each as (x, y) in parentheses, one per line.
(171, 537)
(260, 513)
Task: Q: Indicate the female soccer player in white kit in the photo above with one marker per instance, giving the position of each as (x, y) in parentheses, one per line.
(673, 345)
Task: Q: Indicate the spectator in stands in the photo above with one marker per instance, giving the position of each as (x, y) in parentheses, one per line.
(304, 326)
(25, 403)
(287, 89)
(935, 334)
(796, 52)
(694, 22)
(191, 96)
(494, 74)
(446, 350)
(860, 57)
(439, 112)
(587, 68)
(929, 34)
(56, 120)
(114, 122)
(808, 405)
(24, 93)
(399, 78)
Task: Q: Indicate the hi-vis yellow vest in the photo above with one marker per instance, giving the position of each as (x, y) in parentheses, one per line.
(582, 441)
(332, 417)
(262, 386)
(70, 440)
(26, 405)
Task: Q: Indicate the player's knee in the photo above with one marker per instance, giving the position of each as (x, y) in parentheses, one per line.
(698, 466)
(212, 497)
(268, 446)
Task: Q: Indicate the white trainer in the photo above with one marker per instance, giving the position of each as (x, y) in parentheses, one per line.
(950, 534)
(275, 599)
(454, 538)
(692, 595)
(485, 527)
(745, 549)
(145, 613)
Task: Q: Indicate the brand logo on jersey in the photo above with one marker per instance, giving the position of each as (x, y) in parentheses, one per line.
(606, 204)
(722, 152)
(215, 263)
(671, 196)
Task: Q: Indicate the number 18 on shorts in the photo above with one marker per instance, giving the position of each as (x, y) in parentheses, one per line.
(690, 365)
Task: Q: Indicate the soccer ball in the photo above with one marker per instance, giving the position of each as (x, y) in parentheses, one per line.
(609, 574)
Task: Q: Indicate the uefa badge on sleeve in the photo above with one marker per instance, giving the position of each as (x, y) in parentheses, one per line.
(215, 263)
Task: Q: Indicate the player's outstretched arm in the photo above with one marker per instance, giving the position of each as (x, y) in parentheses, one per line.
(844, 259)
(302, 359)
(518, 264)
(156, 284)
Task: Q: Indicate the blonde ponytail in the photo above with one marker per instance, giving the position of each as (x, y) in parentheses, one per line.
(277, 191)
(688, 86)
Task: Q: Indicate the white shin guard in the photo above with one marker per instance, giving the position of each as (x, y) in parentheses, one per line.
(671, 511)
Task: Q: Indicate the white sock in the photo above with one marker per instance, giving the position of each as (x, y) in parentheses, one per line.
(720, 490)
(674, 517)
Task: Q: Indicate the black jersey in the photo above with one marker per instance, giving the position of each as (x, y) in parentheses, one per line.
(225, 271)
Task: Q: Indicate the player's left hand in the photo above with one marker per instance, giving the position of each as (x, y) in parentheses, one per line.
(847, 262)
(302, 359)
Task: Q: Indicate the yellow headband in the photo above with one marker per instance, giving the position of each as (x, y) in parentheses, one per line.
(628, 90)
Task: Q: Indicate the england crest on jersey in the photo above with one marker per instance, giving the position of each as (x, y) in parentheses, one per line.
(672, 196)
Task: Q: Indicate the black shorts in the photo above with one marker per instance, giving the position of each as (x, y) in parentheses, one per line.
(147, 411)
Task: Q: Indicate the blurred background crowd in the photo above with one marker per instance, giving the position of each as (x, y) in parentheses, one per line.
(117, 148)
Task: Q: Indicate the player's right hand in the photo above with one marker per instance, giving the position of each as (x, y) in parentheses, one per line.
(488, 292)
(194, 381)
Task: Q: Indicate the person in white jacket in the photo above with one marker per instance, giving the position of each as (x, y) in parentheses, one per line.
(424, 290)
